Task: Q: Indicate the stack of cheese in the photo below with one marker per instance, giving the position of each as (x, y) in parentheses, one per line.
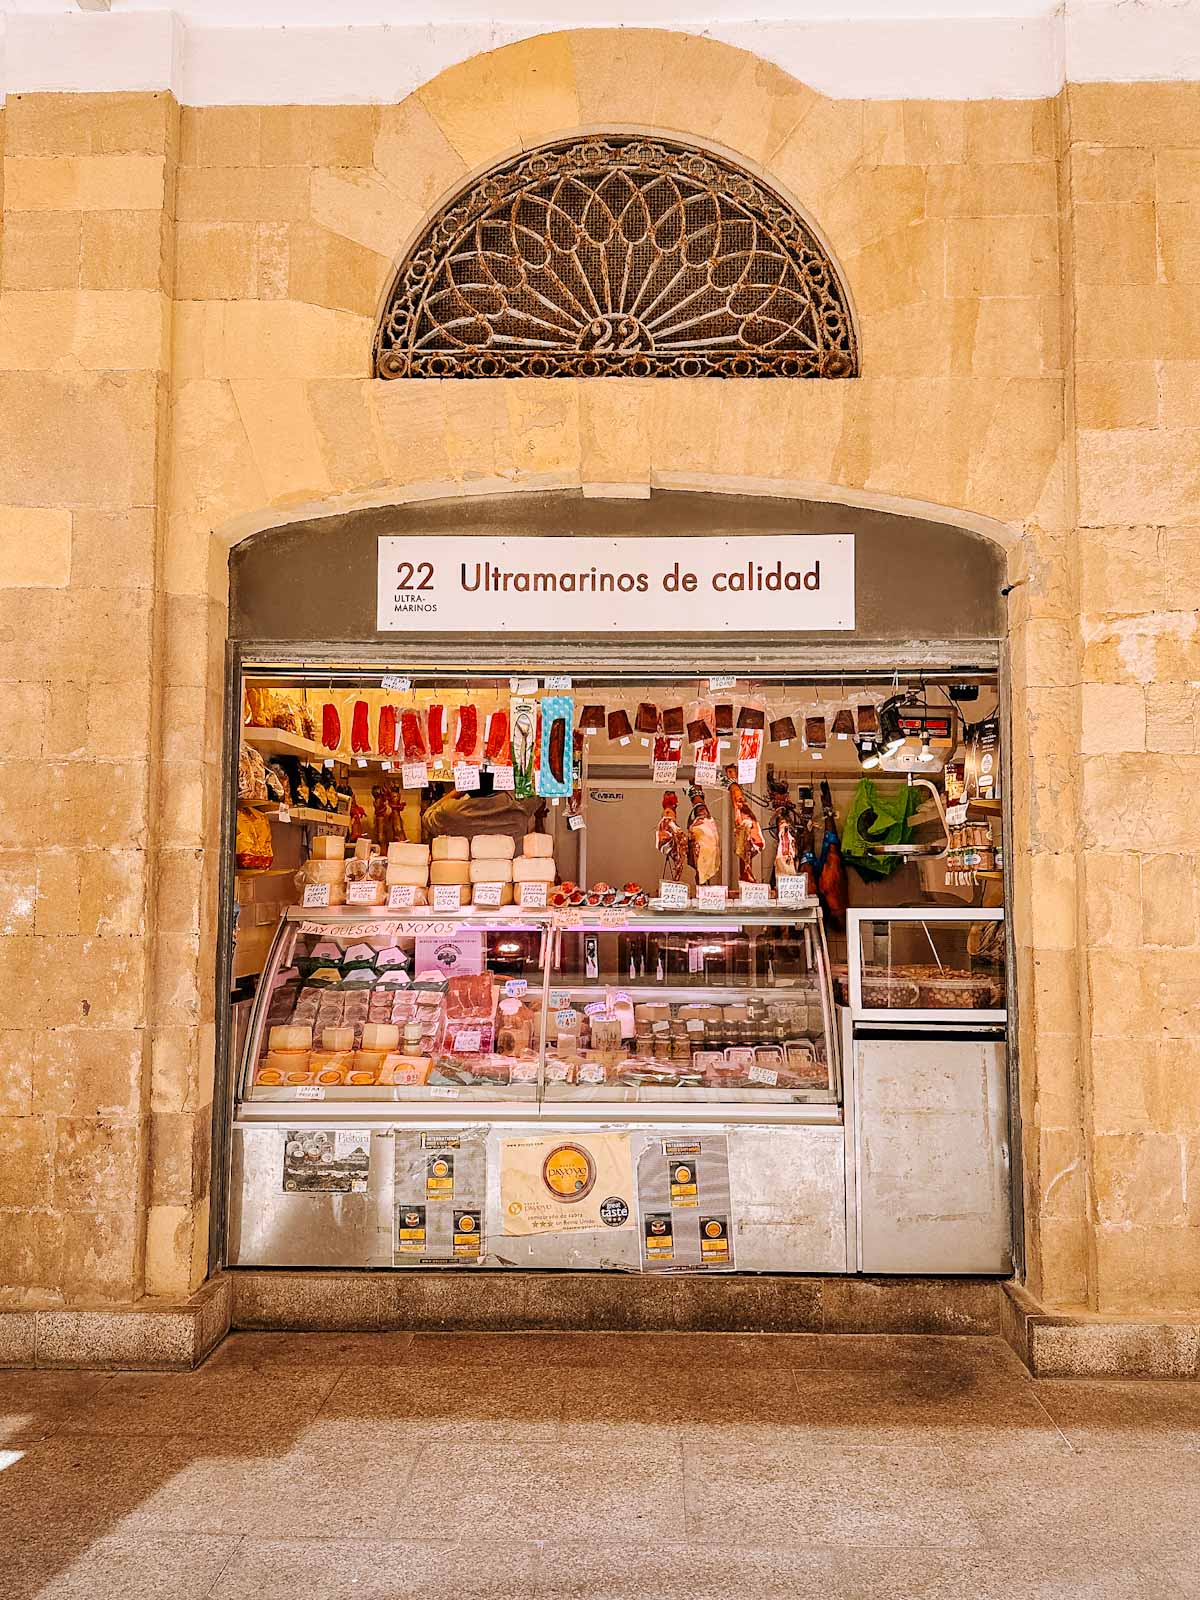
(409, 864)
(326, 864)
(491, 863)
(536, 861)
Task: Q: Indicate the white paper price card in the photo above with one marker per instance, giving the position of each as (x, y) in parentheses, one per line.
(502, 780)
(395, 685)
(360, 894)
(612, 916)
(721, 683)
(706, 772)
(559, 998)
(955, 815)
(754, 894)
(514, 988)
(487, 894)
(566, 1019)
(401, 897)
(792, 889)
(310, 1091)
(414, 775)
(674, 896)
(466, 1042)
(764, 1075)
(575, 822)
(523, 685)
(665, 771)
(285, 814)
(316, 894)
(533, 894)
(712, 896)
(747, 771)
(466, 776)
(447, 897)
(557, 685)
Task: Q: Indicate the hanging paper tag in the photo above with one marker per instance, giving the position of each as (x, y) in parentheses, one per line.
(575, 822)
(316, 894)
(285, 814)
(706, 772)
(523, 685)
(560, 684)
(747, 771)
(465, 775)
(673, 896)
(712, 896)
(514, 988)
(487, 894)
(401, 896)
(310, 1091)
(395, 685)
(754, 894)
(792, 889)
(533, 894)
(502, 779)
(721, 683)
(665, 771)
(446, 897)
(360, 894)
(386, 765)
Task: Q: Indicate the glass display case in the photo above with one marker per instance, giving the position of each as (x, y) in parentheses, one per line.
(926, 965)
(360, 1006)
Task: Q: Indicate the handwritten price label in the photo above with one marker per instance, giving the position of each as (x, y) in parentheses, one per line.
(502, 779)
(487, 894)
(414, 775)
(706, 772)
(310, 1091)
(315, 894)
(712, 896)
(465, 776)
(674, 896)
(533, 895)
(401, 897)
(754, 894)
(447, 897)
(792, 889)
(395, 685)
(361, 894)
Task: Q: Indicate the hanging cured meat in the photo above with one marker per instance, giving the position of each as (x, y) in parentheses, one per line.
(360, 730)
(831, 880)
(411, 736)
(387, 731)
(787, 853)
(671, 838)
(331, 726)
(468, 732)
(704, 838)
(496, 750)
(747, 835)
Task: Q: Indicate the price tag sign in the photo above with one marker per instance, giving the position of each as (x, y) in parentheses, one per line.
(612, 916)
(712, 896)
(447, 897)
(706, 772)
(566, 1019)
(285, 814)
(665, 771)
(722, 683)
(487, 894)
(523, 685)
(575, 822)
(361, 893)
(466, 1042)
(310, 1091)
(533, 894)
(754, 894)
(443, 1091)
(315, 894)
(395, 685)
(465, 775)
(764, 1075)
(674, 896)
(414, 775)
(401, 897)
(792, 889)
(955, 815)
(559, 998)
(557, 685)
(747, 771)
(502, 780)
(514, 988)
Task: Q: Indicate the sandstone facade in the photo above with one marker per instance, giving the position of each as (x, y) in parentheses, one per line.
(187, 304)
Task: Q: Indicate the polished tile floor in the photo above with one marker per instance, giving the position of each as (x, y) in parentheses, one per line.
(597, 1467)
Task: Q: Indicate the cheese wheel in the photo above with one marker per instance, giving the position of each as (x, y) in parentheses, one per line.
(418, 875)
(445, 872)
(537, 844)
(285, 1061)
(290, 1036)
(449, 847)
(379, 1035)
(492, 847)
(316, 871)
(329, 847)
(506, 894)
(407, 855)
(532, 869)
(337, 1038)
(490, 869)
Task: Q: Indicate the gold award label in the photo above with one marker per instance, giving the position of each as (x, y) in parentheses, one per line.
(466, 1224)
(683, 1174)
(713, 1230)
(568, 1172)
(440, 1169)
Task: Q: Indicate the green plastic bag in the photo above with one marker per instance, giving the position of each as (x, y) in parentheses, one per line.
(876, 818)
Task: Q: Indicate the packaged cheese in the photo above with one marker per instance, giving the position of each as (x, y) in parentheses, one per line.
(318, 871)
(378, 1035)
(337, 1038)
(402, 1069)
(537, 844)
(532, 869)
(490, 869)
(492, 846)
(443, 872)
(506, 893)
(408, 855)
(418, 876)
(449, 847)
(290, 1036)
(329, 847)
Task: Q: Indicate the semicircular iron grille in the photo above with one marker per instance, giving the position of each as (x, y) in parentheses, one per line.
(617, 257)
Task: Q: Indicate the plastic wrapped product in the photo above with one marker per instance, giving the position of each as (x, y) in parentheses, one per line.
(380, 1036)
(493, 847)
(783, 730)
(724, 717)
(331, 726)
(411, 737)
(591, 719)
(387, 730)
(496, 748)
(490, 869)
(449, 847)
(619, 725)
(360, 729)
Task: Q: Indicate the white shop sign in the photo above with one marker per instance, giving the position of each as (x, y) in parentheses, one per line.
(800, 582)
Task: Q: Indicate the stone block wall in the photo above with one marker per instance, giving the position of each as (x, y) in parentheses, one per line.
(189, 296)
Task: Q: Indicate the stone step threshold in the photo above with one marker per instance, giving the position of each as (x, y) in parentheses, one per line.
(154, 1336)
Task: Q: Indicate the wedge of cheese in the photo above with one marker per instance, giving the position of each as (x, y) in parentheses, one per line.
(329, 847)
(317, 871)
(290, 1036)
(490, 869)
(449, 847)
(537, 844)
(493, 847)
(532, 869)
(446, 872)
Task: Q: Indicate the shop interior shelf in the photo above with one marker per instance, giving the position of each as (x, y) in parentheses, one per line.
(994, 874)
(719, 994)
(279, 742)
(985, 808)
(301, 814)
